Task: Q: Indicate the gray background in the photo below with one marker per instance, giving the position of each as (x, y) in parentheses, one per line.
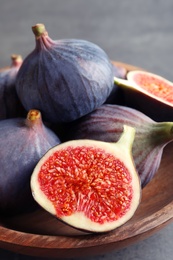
(133, 31)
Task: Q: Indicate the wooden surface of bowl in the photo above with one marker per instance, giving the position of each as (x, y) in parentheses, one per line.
(40, 234)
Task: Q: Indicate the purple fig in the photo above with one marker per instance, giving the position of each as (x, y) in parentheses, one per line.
(22, 143)
(106, 124)
(64, 79)
(10, 104)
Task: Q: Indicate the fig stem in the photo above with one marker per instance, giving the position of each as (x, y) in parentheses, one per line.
(39, 29)
(123, 82)
(16, 60)
(164, 131)
(33, 117)
(127, 137)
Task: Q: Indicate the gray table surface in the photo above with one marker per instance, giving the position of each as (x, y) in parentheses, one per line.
(136, 32)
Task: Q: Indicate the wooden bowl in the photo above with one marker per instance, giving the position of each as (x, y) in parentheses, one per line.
(39, 234)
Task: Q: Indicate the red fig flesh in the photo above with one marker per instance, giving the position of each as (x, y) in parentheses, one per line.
(153, 84)
(88, 184)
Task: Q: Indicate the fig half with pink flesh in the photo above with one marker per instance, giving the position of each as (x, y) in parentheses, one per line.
(149, 93)
(90, 185)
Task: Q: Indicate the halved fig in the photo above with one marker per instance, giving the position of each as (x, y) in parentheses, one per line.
(90, 185)
(149, 93)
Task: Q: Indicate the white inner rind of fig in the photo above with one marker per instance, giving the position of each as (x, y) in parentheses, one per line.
(121, 150)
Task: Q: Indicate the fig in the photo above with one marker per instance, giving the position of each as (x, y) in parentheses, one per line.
(65, 79)
(106, 124)
(10, 104)
(90, 185)
(23, 141)
(148, 93)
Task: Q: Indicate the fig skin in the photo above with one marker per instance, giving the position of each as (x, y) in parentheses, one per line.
(65, 79)
(106, 124)
(136, 97)
(11, 106)
(79, 184)
(23, 141)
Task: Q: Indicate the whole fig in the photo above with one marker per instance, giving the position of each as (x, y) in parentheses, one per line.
(10, 104)
(106, 124)
(65, 79)
(22, 143)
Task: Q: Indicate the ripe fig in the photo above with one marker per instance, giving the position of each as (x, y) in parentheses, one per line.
(106, 124)
(90, 185)
(65, 79)
(22, 143)
(149, 93)
(10, 104)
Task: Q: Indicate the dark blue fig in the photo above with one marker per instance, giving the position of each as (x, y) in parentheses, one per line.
(22, 143)
(10, 104)
(64, 79)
